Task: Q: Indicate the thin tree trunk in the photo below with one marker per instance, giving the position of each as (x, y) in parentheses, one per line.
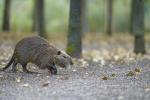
(84, 16)
(138, 25)
(40, 23)
(74, 46)
(109, 17)
(34, 16)
(6, 16)
(131, 18)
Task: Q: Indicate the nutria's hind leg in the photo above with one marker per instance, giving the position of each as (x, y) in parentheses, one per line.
(14, 66)
(24, 66)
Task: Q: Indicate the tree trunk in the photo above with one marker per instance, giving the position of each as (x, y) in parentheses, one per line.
(131, 18)
(138, 25)
(40, 25)
(109, 17)
(84, 9)
(6, 16)
(34, 16)
(74, 46)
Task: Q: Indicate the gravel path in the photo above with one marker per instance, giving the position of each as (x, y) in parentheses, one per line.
(90, 80)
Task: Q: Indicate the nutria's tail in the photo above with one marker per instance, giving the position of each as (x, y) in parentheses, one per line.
(9, 63)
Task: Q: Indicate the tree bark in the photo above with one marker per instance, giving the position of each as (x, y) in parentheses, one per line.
(40, 20)
(34, 16)
(74, 46)
(84, 9)
(138, 25)
(6, 16)
(109, 17)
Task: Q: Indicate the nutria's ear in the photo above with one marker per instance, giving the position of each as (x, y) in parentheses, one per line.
(59, 52)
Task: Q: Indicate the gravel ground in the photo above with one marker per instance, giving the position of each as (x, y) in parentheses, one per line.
(89, 80)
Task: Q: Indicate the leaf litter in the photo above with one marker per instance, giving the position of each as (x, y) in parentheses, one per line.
(102, 57)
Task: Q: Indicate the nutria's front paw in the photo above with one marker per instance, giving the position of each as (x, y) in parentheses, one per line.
(53, 71)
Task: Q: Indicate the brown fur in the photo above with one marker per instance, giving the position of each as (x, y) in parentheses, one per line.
(38, 51)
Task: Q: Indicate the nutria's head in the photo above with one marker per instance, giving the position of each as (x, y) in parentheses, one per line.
(62, 59)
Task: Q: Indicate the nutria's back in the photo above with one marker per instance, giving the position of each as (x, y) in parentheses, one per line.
(34, 49)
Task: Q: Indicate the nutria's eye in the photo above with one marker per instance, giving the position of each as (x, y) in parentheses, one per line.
(59, 52)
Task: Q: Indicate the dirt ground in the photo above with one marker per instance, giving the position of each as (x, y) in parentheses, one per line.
(106, 72)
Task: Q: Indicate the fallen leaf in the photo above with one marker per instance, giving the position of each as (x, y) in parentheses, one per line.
(46, 84)
(120, 97)
(26, 85)
(137, 70)
(147, 89)
(95, 60)
(86, 73)
(104, 77)
(113, 74)
(74, 70)
(116, 57)
(18, 79)
(1, 76)
(130, 73)
(63, 77)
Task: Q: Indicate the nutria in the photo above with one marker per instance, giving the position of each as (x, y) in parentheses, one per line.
(37, 50)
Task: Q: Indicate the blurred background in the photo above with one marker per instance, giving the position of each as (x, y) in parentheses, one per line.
(57, 14)
(71, 22)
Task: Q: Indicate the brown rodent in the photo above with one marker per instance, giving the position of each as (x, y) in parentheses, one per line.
(37, 50)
